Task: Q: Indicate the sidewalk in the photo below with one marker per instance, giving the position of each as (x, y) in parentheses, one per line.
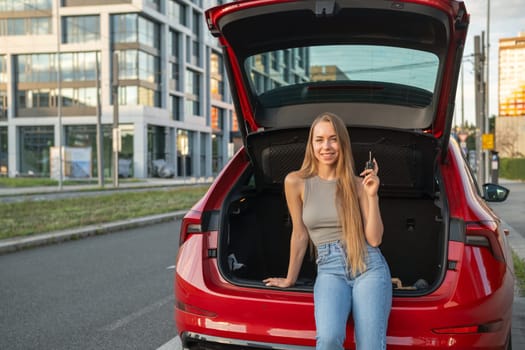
(143, 183)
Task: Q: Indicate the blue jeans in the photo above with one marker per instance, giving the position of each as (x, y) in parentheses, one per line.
(337, 293)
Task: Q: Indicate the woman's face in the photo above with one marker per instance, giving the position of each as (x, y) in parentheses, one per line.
(325, 143)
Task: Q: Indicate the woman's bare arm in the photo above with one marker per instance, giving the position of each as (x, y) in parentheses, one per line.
(293, 188)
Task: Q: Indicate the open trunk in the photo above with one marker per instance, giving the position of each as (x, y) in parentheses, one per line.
(255, 224)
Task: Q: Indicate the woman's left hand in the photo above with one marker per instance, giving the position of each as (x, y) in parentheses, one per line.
(371, 180)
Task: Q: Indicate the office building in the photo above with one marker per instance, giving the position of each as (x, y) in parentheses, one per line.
(173, 98)
(511, 76)
(174, 104)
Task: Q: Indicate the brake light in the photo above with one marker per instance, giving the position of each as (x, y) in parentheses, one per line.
(485, 234)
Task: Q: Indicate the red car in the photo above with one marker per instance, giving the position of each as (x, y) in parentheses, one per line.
(390, 70)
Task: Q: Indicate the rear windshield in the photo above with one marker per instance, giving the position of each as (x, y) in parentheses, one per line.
(344, 73)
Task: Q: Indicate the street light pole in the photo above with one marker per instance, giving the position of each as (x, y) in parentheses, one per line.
(116, 134)
(59, 98)
(100, 139)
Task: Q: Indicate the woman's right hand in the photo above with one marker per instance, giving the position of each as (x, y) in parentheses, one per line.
(278, 282)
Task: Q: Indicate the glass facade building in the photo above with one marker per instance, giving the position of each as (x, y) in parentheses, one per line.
(162, 51)
(174, 102)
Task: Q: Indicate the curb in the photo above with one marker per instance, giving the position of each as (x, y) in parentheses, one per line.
(20, 243)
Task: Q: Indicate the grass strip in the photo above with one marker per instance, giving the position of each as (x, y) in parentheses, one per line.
(33, 217)
(519, 272)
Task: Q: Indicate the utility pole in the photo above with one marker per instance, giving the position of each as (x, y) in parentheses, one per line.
(100, 139)
(479, 93)
(116, 133)
(486, 130)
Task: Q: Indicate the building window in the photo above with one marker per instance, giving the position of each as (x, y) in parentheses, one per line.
(174, 76)
(216, 153)
(184, 153)
(192, 93)
(217, 119)
(41, 68)
(156, 148)
(3, 104)
(196, 24)
(177, 12)
(26, 5)
(132, 28)
(203, 149)
(3, 69)
(37, 68)
(216, 76)
(174, 44)
(80, 29)
(175, 107)
(34, 144)
(154, 4)
(25, 26)
(47, 98)
(78, 69)
(79, 97)
(78, 66)
(86, 136)
(136, 64)
(138, 95)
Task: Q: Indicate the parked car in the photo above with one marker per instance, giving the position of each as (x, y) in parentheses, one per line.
(390, 70)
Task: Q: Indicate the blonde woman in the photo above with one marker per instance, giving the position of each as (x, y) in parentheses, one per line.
(340, 213)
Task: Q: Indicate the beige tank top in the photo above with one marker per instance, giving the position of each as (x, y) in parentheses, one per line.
(319, 210)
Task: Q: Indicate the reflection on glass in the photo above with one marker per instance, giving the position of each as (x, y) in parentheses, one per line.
(350, 63)
(34, 145)
(80, 29)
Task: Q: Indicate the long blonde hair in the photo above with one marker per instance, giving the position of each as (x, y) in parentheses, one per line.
(347, 200)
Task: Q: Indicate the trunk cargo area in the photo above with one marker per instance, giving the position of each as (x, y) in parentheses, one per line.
(256, 227)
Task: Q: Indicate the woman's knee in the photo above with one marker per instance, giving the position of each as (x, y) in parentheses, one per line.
(330, 340)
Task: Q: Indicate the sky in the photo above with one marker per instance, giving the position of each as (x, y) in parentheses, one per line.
(507, 19)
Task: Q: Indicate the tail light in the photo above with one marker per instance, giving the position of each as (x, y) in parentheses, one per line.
(485, 234)
(191, 224)
(197, 222)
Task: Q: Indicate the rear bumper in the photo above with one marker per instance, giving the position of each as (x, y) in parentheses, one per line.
(211, 313)
(192, 340)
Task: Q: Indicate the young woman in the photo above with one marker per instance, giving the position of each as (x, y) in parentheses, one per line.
(339, 212)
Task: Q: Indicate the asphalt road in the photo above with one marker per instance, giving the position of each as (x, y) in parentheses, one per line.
(107, 292)
(512, 210)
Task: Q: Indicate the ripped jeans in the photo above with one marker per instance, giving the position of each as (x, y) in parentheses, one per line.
(367, 296)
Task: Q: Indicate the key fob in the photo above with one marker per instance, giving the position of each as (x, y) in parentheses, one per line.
(369, 164)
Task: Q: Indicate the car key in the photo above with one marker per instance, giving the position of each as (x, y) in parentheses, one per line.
(369, 164)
